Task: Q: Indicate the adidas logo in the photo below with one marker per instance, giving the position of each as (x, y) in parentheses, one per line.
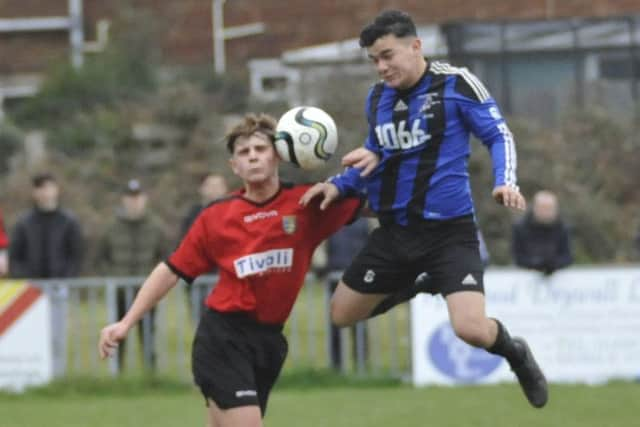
(400, 106)
(469, 280)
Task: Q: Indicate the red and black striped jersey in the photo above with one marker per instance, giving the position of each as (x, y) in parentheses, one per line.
(262, 250)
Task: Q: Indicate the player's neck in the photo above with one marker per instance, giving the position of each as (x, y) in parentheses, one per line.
(263, 191)
(421, 69)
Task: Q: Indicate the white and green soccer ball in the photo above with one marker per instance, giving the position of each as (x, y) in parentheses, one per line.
(306, 137)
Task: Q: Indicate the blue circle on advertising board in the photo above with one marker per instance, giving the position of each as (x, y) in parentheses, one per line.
(457, 359)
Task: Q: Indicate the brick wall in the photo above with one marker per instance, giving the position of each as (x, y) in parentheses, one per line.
(185, 25)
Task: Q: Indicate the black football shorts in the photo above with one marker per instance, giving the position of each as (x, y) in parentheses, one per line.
(235, 360)
(395, 255)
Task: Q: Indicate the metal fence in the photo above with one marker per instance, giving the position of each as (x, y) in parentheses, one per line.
(81, 307)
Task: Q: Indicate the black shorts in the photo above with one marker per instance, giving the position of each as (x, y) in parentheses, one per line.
(235, 360)
(395, 255)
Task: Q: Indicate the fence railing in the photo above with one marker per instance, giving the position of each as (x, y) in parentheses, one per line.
(81, 307)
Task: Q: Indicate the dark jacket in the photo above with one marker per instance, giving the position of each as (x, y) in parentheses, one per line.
(344, 245)
(131, 247)
(45, 245)
(542, 247)
(190, 218)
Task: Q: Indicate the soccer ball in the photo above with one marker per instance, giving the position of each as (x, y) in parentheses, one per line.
(306, 137)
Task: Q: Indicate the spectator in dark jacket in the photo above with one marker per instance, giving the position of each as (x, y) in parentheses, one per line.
(341, 248)
(540, 240)
(212, 186)
(46, 241)
(4, 243)
(132, 244)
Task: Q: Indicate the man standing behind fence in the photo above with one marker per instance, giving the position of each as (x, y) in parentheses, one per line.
(540, 240)
(342, 247)
(46, 241)
(132, 244)
(212, 187)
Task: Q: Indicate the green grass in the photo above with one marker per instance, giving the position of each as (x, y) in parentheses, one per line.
(334, 403)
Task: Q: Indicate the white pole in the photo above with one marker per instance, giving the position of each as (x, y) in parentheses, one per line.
(76, 32)
(217, 19)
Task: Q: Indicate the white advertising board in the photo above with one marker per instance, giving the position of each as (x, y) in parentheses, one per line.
(582, 324)
(25, 336)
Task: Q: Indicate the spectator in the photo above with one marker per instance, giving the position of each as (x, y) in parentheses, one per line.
(341, 247)
(4, 242)
(212, 186)
(47, 240)
(133, 243)
(541, 238)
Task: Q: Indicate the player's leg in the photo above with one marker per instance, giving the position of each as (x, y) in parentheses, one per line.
(349, 306)
(470, 323)
(458, 272)
(223, 368)
(380, 277)
(422, 284)
(249, 416)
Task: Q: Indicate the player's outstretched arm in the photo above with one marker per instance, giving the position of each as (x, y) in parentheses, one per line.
(328, 191)
(159, 282)
(510, 197)
(361, 158)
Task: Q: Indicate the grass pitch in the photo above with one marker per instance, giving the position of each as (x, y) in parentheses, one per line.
(330, 405)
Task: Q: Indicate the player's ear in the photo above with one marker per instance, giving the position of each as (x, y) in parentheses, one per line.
(416, 45)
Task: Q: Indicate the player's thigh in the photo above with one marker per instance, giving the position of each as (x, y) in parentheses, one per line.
(249, 416)
(466, 307)
(469, 320)
(349, 306)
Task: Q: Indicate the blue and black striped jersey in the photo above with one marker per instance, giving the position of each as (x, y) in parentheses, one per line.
(422, 138)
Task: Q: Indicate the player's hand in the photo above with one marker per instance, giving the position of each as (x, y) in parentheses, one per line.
(328, 191)
(510, 197)
(361, 158)
(110, 337)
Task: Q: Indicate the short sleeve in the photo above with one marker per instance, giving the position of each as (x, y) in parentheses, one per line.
(194, 255)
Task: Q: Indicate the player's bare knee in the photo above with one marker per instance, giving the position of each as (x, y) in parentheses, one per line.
(340, 316)
(471, 333)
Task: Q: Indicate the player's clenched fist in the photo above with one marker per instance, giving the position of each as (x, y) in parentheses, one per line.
(510, 197)
(110, 336)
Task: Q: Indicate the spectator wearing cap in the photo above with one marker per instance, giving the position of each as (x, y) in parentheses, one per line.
(46, 241)
(131, 245)
(4, 243)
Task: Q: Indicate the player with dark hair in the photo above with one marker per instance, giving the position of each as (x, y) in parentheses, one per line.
(261, 240)
(413, 167)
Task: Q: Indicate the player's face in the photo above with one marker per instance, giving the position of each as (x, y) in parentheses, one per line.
(397, 60)
(46, 196)
(254, 159)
